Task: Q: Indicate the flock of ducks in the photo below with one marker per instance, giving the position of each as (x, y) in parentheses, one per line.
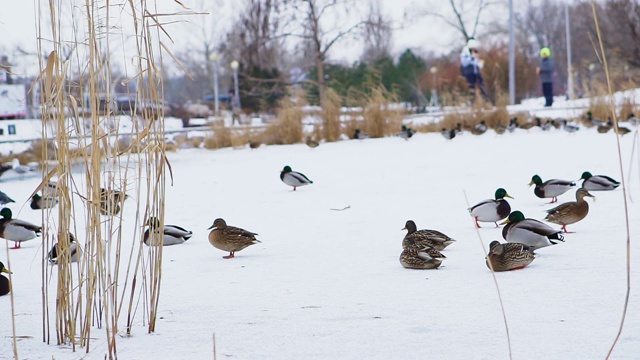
(525, 235)
(227, 238)
(545, 125)
(421, 248)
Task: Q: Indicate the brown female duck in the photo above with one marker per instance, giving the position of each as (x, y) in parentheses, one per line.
(229, 238)
(570, 212)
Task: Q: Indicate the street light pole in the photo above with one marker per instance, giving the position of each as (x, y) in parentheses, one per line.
(569, 67)
(214, 59)
(234, 66)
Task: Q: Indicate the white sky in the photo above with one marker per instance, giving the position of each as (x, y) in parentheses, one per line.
(18, 21)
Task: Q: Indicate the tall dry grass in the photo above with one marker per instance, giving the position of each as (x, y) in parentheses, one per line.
(287, 127)
(331, 107)
(117, 280)
(380, 119)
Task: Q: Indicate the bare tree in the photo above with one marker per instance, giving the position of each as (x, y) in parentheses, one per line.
(462, 15)
(378, 32)
(321, 24)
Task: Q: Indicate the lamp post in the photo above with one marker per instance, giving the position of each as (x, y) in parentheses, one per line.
(214, 59)
(234, 66)
(434, 86)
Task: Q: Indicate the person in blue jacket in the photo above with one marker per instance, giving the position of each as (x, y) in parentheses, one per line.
(470, 66)
(545, 71)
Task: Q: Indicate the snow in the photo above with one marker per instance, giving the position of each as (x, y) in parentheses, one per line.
(327, 284)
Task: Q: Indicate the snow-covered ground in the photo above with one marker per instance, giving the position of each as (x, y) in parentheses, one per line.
(327, 284)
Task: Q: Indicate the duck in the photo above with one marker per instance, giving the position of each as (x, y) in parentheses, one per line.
(448, 134)
(311, 143)
(229, 238)
(550, 188)
(593, 121)
(43, 202)
(424, 238)
(17, 230)
(75, 252)
(508, 256)
(110, 201)
(633, 120)
(406, 132)
(4, 168)
(530, 232)
(598, 182)
(19, 168)
(570, 212)
(5, 199)
(294, 178)
(513, 124)
(568, 127)
(5, 284)
(492, 210)
(621, 130)
(529, 124)
(418, 259)
(360, 135)
(254, 144)
(172, 234)
(547, 125)
(479, 129)
(500, 129)
(604, 128)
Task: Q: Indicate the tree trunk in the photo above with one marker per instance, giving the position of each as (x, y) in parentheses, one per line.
(321, 84)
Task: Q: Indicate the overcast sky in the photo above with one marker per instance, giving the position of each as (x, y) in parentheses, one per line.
(18, 21)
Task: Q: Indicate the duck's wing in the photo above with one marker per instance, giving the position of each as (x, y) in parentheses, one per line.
(232, 232)
(177, 231)
(481, 203)
(300, 177)
(537, 227)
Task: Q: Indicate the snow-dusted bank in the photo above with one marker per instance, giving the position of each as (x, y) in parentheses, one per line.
(328, 284)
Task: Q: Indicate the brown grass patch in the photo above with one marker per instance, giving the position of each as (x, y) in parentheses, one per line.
(287, 128)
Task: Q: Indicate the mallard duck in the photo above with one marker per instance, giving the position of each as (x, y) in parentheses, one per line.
(5, 284)
(5, 199)
(172, 234)
(550, 188)
(19, 168)
(75, 252)
(418, 259)
(593, 121)
(547, 125)
(531, 232)
(311, 143)
(110, 201)
(4, 168)
(622, 130)
(528, 125)
(17, 230)
(509, 256)
(479, 129)
(254, 144)
(491, 210)
(43, 202)
(448, 134)
(568, 127)
(570, 212)
(633, 120)
(604, 128)
(406, 132)
(513, 124)
(294, 178)
(424, 238)
(598, 182)
(229, 238)
(360, 135)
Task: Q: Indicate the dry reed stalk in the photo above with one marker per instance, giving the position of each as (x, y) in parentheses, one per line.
(624, 185)
(331, 106)
(95, 296)
(380, 120)
(493, 275)
(287, 128)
